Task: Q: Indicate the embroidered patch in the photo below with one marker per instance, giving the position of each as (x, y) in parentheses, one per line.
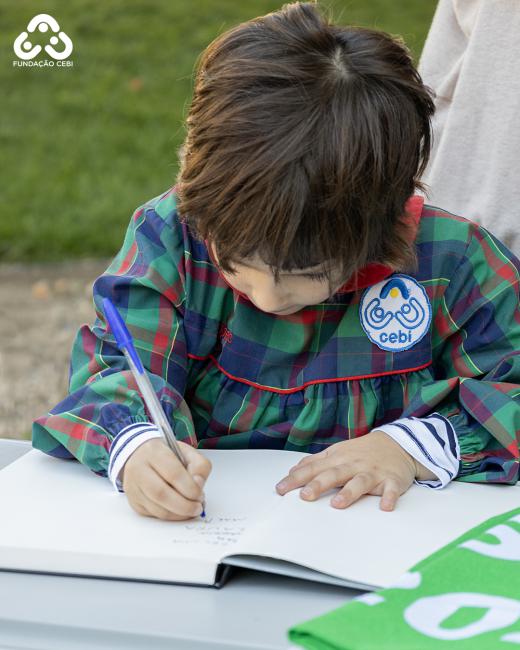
(395, 313)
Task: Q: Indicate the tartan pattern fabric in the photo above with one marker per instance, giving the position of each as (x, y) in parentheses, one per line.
(304, 381)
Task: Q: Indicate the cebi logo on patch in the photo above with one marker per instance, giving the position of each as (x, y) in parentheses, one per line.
(26, 51)
(395, 313)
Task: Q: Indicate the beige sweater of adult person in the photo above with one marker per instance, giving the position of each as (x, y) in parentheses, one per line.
(471, 59)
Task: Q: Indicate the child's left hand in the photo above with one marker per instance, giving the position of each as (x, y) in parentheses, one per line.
(371, 464)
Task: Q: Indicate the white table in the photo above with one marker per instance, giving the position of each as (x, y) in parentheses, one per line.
(252, 611)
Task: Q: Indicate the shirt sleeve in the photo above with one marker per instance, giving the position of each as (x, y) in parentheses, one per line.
(146, 282)
(476, 361)
(431, 441)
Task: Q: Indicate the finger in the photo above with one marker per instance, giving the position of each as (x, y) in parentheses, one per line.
(301, 475)
(136, 505)
(165, 463)
(155, 511)
(326, 480)
(312, 457)
(391, 494)
(136, 499)
(197, 464)
(358, 485)
(165, 502)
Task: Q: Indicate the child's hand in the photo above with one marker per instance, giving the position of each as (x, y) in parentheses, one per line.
(371, 464)
(157, 485)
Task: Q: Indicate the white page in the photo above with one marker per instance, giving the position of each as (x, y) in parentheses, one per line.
(240, 495)
(362, 543)
(57, 516)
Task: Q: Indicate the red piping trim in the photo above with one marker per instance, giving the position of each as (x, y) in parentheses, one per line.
(307, 383)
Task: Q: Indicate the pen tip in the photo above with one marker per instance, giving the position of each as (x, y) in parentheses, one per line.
(203, 513)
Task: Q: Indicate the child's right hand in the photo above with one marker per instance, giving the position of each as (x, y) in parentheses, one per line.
(157, 485)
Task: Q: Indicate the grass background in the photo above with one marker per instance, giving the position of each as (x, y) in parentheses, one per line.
(82, 147)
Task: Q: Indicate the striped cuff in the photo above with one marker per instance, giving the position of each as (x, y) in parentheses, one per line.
(124, 444)
(432, 442)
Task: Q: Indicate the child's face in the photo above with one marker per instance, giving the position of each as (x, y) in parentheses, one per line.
(294, 290)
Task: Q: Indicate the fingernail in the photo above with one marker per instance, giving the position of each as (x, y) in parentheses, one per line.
(199, 480)
(307, 492)
(282, 485)
(339, 501)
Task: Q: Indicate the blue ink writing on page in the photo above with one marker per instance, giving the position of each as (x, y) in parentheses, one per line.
(220, 530)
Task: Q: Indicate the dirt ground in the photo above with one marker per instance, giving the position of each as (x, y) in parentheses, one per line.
(41, 308)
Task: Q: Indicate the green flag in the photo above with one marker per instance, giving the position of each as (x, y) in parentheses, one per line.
(464, 596)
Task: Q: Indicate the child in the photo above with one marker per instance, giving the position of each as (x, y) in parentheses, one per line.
(290, 292)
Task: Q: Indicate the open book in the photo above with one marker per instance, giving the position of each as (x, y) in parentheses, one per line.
(58, 517)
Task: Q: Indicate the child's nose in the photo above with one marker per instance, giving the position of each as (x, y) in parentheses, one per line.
(269, 300)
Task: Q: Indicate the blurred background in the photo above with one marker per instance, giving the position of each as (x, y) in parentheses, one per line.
(82, 146)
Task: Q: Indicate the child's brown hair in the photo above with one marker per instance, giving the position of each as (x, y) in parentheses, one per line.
(304, 141)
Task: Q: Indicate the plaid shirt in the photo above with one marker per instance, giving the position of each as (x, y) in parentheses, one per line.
(231, 376)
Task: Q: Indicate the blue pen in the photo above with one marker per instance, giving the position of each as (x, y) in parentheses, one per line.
(125, 343)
